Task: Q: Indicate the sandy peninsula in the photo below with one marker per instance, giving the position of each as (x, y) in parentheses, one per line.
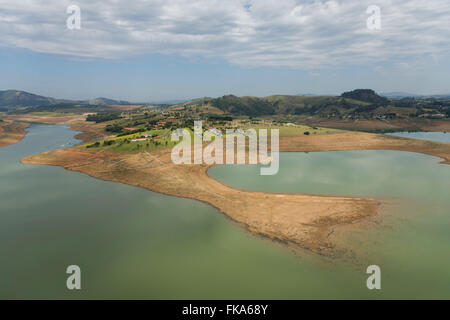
(305, 221)
(416, 124)
(11, 132)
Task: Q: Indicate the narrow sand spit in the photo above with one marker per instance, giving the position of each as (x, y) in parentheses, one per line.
(365, 141)
(386, 125)
(303, 220)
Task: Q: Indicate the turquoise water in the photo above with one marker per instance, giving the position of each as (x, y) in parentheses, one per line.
(133, 243)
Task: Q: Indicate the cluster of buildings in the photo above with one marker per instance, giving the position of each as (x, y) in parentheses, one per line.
(433, 116)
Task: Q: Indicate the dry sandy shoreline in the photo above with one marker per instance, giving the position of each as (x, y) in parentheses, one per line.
(12, 132)
(303, 220)
(385, 125)
(76, 122)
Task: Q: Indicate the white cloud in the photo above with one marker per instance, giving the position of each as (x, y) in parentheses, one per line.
(299, 34)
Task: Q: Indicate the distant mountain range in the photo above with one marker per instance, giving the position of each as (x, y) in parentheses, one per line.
(307, 95)
(356, 104)
(401, 95)
(364, 103)
(104, 101)
(361, 100)
(11, 99)
(314, 95)
(390, 95)
(398, 95)
(14, 98)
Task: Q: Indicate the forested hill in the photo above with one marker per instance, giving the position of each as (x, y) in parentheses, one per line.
(12, 99)
(360, 103)
(366, 95)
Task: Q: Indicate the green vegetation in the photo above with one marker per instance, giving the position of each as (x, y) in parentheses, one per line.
(20, 100)
(291, 130)
(248, 106)
(357, 104)
(13, 98)
(218, 117)
(103, 116)
(366, 95)
(147, 140)
(148, 129)
(114, 128)
(362, 104)
(155, 139)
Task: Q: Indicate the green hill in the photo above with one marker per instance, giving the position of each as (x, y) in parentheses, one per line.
(13, 99)
(366, 95)
(275, 105)
(357, 104)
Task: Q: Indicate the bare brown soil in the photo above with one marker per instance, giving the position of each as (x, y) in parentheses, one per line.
(11, 132)
(306, 221)
(121, 107)
(382, 125)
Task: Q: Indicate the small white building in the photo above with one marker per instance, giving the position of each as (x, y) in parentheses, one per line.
(139, 139)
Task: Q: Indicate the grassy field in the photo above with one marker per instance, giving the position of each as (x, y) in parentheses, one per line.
(297, 130)
(124, 143)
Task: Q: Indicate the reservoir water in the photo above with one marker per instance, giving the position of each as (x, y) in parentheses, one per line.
(433, 136)
(132, 243)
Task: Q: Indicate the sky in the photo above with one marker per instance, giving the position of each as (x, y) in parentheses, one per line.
(158, 50)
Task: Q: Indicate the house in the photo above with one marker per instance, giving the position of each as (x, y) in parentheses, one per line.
(139, 139)
(216, 132)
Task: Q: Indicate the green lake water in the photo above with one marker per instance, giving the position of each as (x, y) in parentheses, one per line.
(135, 244)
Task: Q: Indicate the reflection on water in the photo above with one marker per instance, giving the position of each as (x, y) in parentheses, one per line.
(133, 243)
